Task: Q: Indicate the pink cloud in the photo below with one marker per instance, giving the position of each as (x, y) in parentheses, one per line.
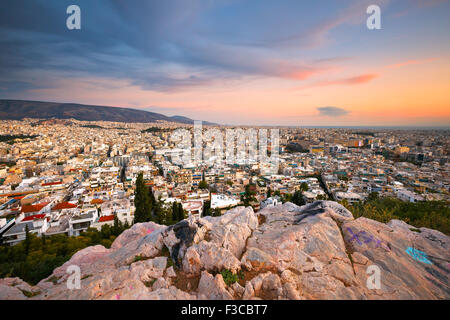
(364, 78)
(409, 62)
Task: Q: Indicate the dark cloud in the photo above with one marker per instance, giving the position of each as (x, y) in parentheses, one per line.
(158, 45)
(332, 111)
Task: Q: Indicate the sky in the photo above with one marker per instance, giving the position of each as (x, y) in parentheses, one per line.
(254, 62)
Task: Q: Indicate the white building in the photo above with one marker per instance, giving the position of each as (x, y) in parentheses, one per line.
(349, 196)
(222, 201)
(409, 196)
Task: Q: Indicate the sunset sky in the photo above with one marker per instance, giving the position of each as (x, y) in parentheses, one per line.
(262, 62)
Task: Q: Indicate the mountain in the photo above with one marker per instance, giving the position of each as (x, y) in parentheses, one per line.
(19, 109)
(316, 251)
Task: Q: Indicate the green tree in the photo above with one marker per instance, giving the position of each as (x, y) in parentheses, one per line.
(203, 185)
(105, 231)
(304, 186)
(206, 208)
(142, 203)
(181, 213)
(44, 245)
(372, 196)
(297, 198)
(175, 214)
(117, 227)
(249, 195)
(216, 212)
(287, 198)
(27, 239)
(151, 196)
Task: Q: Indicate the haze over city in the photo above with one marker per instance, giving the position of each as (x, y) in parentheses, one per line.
(300, 63)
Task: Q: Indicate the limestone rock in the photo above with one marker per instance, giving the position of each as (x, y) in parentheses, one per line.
(316, 251)
(213, 288)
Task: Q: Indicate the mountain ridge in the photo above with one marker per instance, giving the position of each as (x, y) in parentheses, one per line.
(20, 109)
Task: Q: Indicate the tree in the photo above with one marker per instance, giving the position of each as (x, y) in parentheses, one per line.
(142, 203)
(304, 186)
(175, 214)
(297, 198)
(345, 203)
(105, 231)
(163, 213)
(287, 198)
(322, 197)
(27, 239)
(249, 195)
(269, 192)
(152, 196)
(203, 185)
(44, 246)
(206, 208)
(372, 196)
(181, 213)
(216, 212)
(117, 227)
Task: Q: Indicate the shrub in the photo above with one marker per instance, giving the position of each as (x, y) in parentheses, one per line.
(228, 277)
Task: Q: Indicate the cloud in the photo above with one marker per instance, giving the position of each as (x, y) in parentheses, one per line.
(160, 45)
(332, 111)
(411, 5)
(363, 78)
(409, 62)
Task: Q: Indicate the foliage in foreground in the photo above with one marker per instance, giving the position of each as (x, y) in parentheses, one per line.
(431, 214)
(47, 253)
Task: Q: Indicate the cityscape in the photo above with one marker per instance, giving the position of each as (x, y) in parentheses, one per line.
(65, 176)
(188, 163)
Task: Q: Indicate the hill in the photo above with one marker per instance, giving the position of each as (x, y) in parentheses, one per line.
(317, 251)
(20, 109)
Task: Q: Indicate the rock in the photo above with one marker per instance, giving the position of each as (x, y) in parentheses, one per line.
(256, 259)
(160, 283)
(208, 256)
(170, 273)
(238, 289)
(179, 237)
(213, 287)
(316, 251)
(249, 292)
(231, 230)
(136, 232)
(271, 287)
(149, 269)
(290, 292)
(11, 293)
(171, 293)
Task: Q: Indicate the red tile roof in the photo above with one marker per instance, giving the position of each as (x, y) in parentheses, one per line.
(51, 183)
(34, 207)
(64, 205)
(106, 218)
(34, 217)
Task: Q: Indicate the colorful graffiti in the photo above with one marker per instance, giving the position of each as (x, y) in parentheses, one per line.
(418, 255)
(150, 230)
(363, 237)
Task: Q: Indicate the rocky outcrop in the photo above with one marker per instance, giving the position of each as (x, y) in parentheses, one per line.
(317, 251)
